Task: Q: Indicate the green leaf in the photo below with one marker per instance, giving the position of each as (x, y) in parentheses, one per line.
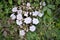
(48, 1)
(1, 5)
(45, 9)
(57, 2)
(51, 6)
(10, 1)
(49, 12)
(19, 2)
(35, 4)
(30, 0)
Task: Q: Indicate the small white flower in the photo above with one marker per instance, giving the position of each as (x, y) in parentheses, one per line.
(13, 16)
(27, 30)
(32, 28)
(22, 33)
(19, 11)
(28, 4)
(26, 14)
(40, 14)
(35, 13)
(40, 3)
(23, 3)
(27, 20)
(19, 17)
(35, 21)
(14, 9)
(29, 7)
(18, 22)
(30, 13)
(40, 7)
(44, 3)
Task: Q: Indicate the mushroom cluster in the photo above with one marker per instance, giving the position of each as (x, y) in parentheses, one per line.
(26, 17)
